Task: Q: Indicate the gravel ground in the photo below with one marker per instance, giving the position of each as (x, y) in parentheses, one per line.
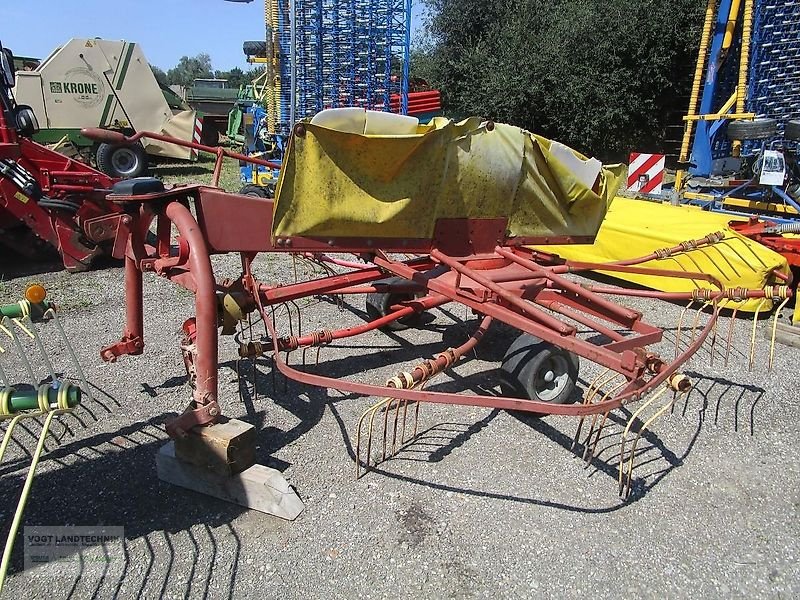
(483, 503)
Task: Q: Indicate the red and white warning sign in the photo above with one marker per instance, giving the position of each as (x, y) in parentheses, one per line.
(646, 173)
(198, 135)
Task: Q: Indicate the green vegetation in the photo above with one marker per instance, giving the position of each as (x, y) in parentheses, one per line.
(603, 77)
(200, 172)
(190, 68)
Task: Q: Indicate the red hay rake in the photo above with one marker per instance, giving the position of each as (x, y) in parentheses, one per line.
(468, 261)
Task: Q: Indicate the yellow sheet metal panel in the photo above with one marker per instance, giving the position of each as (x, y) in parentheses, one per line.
(342, 184)
(636, 228)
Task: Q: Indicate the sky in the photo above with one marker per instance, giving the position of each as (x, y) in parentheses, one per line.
(165, 29)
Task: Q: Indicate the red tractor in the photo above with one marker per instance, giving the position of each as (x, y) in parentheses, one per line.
(60, 201)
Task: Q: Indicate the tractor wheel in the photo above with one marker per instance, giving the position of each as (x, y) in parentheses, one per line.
(253, 190)
(759, 129)
(254, 48)
(792, 131)
(538, 370)
(379, 304)
(122, 160)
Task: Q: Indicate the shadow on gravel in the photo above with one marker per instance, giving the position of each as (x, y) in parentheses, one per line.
(436, 442)
(109, 479)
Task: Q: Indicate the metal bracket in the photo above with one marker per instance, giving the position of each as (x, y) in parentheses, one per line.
(193, 416)
(129, 344)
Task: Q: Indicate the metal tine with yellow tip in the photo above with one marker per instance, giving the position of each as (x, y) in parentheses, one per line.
(678, 384)
(47, 396)
(386, 405)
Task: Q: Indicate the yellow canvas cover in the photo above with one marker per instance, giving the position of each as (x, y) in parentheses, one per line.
(635, 228)
(343, 184)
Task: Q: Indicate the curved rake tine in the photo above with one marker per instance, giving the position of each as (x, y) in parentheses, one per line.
(624, 437)
(588, 454)
(386, 411)
(714, 333)
(371, 413)
(591, 391)
(35, 334)
(405, 416)
(753, 335)
(644, 427)
(697, 319)
(590, 457)
(774, 331)
(596, 415)
(680, 324)
(4, 326)
(396, 421)
(731, 323)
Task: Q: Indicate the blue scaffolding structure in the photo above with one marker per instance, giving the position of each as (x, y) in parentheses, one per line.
(773, 79)
(337, 53)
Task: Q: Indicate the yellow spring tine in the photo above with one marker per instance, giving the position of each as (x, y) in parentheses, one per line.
(594, 386)
(697, 319)
(593, 449)
(386, 410)
(370, 411)
(26, 488)
(394, 432)
(714, 337)
(753, 335)
(680, 325)
(774, 331)
(644, 427)
(624, 437)
(596, 415)
(405, 415)
(731, 323)
(587, 454)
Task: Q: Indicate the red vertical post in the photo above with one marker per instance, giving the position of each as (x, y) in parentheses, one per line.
(205, 301)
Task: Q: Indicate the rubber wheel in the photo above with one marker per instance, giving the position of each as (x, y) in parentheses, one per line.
(122, 160)
(254, 190)
(792, 130)
(378, 305)
(759, 129)
(254, 48)
(538, 370)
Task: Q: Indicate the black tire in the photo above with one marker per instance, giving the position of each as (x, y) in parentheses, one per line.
(254, 48)
(254, 190)
(538, 370)
(122, 160)
(758, 129)
(378, 305)
(792, 130)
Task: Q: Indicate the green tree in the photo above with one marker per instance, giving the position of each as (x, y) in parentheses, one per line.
(160, 75)
(190, 68)
(605, 77)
